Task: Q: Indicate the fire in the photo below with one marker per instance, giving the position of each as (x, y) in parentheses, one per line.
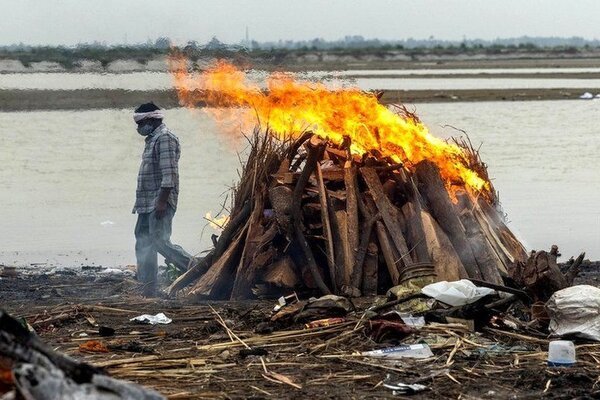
(289, 107)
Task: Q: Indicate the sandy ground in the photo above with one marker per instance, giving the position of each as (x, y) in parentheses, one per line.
(31, 100)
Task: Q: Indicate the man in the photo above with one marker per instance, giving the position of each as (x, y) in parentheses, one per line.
(156, 197)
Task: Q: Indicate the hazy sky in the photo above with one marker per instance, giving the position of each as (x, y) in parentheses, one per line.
(116, 21)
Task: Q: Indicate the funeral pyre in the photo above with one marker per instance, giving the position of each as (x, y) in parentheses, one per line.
(341, 194)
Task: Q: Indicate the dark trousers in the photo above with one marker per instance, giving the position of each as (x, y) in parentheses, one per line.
(153, 236)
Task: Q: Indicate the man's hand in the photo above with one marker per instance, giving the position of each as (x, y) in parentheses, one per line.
(160, 209)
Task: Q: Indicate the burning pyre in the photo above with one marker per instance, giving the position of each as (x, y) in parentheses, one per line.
(343, 195)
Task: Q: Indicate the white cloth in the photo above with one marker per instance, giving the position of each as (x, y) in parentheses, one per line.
(158, 114)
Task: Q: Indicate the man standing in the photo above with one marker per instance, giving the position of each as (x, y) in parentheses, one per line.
(156, 197)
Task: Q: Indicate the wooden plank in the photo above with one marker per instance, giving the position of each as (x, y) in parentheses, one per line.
(342, 249)
(489, 263)
(434, 191)
(329, 249)
(508, 239)
(369, 281)
(216, 283)
(390, 254)
(415, 236)
(448, 266)
(350, 181)
(282, 273)
(490, 234)
(389, 213)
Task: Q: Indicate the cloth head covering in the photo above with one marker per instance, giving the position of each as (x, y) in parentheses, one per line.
(146, 111)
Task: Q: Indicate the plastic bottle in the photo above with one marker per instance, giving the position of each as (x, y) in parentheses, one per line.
(407, 351)
(561, 353)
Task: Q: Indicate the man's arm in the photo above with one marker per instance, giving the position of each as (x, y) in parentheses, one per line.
(167, 162)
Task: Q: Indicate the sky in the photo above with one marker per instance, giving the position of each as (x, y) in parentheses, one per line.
(68, 22)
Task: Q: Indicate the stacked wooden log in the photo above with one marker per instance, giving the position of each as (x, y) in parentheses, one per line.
(309, 215)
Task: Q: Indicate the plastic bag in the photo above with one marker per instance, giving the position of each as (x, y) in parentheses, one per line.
(159, 318)
(575, 311)
(457, 293)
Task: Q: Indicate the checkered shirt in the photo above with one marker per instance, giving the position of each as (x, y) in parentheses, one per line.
(158, 170)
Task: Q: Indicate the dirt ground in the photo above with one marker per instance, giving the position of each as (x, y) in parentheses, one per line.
(194, 356)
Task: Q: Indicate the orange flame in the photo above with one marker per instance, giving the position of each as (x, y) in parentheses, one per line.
(290, 107)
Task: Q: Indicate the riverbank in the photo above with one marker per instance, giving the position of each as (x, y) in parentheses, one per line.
(117, 61)
(90, 99)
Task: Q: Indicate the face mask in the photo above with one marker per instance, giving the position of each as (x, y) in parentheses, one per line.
(145, 129)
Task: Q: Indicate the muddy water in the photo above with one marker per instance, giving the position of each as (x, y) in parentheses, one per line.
(369, 80)
(68, 178)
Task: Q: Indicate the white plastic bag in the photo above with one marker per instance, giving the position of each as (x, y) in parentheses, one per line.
(159, 318)
(457, 293)
(575, 311)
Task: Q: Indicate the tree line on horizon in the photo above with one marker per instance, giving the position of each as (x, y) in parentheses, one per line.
(67, 56)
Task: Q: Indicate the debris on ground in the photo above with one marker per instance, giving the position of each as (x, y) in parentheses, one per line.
(159, 318)
(244, 349)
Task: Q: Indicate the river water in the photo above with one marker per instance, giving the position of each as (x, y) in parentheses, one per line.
(68, 177)
(368, 80)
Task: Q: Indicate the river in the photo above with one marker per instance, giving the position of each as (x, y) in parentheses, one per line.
(68, 177)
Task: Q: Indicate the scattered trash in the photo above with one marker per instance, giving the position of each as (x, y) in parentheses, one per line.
(561, 353)
(322, 323)
(415, 322)
(575, 311)
(400, 388)
(107, 223)
(383, 329)
(410, 288)
(93, 346)
(407, 351)
(457, 293)
(285, 300)
(159, 318)
(288, 311)
(325, 306)
(467, 323)
(116, 271)
(586, 96)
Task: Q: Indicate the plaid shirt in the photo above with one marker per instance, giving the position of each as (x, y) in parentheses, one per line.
(158, 170)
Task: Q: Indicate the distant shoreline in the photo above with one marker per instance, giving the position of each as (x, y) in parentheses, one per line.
(88, 99)
(322, 61)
